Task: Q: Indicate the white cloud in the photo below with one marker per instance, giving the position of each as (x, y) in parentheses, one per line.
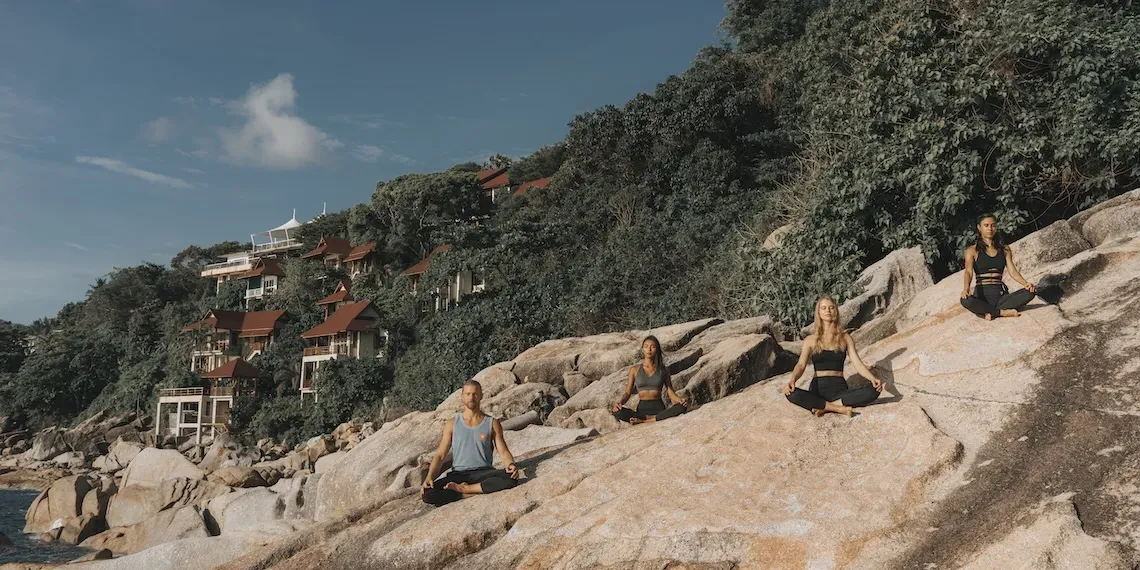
(158, 130)
(273, 136)
(74, 246)
(188, 101)
(367, 153)
(217, 101)
(124, 168)
(193, 171)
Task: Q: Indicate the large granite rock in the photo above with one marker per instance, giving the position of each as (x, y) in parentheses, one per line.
(134, 504)
(62, 501)
(151, 467)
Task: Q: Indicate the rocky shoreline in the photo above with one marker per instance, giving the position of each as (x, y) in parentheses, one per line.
(746, 480)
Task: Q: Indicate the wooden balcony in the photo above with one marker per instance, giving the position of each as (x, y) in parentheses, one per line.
(222, 392)
(173, 392)
(338, 349)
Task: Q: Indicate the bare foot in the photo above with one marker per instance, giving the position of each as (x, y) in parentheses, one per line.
(847, 411)
(989, 317)
(1010, 313)
(452, 487)
(818, 413)
(635, 421)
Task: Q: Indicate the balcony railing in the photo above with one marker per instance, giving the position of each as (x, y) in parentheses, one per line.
(225, 267)
(276, 245)
(338, 349)
(254, 293)
(222, 391)
(181, 392)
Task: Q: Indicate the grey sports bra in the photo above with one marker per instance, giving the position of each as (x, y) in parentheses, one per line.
(645, 382)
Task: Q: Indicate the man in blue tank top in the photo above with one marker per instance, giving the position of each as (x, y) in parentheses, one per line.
(469, 436)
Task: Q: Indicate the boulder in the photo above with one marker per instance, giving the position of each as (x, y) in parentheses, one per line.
(134, 504)
(886, 284)
(125, 433)
(494, 379)
(1081, 219)
(258, 509)
(166, 526)
(319, 447)
(545, 370)
(81, 528)
(375, 464)
(151, 466)
(97, 500)
(1050, 244)
(731, 366)
(1110, 223)
(574, 381)
(520, 399)
(197, 552)
(103, 554)
(240, 477)
(48, 444)
(521, 421)
(70, 460)
(328, 462)
(62, 501)
(122, 452)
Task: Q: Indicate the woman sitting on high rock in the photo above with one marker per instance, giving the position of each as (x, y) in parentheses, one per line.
(987, 259)
(827, 348)
(649, 378)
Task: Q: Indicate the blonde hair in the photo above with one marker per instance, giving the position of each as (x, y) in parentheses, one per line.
(821, 342)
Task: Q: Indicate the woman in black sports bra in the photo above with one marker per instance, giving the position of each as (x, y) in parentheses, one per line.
(649, 378)
(987, 259)
(827, 349)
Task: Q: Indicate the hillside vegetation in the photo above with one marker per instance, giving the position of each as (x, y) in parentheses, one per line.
(867, 126)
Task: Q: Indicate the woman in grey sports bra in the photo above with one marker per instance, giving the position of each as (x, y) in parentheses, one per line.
(650, 379)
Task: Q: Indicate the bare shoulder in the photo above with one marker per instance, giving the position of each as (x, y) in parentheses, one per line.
(1008, 249)
(848, 340)
(809, 342)
(972, 250)
(496, 424)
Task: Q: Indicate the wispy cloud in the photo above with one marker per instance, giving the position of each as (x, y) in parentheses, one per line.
(372, 154)
(196, 102)
(158, 130)
(124, 168)
(12, 103)
(365, 120)
(74, 246)
(273, 136)
(193, 171)
(367, 153)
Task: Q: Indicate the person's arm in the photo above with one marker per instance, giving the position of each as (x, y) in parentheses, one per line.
(501, 445)
(673, 397)
(628, 389)
(859, 366)
(440, 453)
(968, 274)
(1013, 272)
(805, 354)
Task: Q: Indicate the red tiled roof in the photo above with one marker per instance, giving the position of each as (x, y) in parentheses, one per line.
(346, 318)
(236, 368)
(360, 251)
(540, 183)
(330, 246)
(340, 294)
(248, 324)
(264, 266)
(494, 178)
(425, 263)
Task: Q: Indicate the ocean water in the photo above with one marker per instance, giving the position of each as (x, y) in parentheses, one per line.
(14, 505)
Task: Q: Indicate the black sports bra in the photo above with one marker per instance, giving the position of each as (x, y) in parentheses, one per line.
(989, 268)
(829, 360)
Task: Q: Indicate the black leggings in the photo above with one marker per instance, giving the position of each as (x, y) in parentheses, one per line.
(491, 480)
(992, 299)
(824, 389)
(650, 409)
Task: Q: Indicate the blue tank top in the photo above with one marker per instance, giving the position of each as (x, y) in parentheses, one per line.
(471, 446)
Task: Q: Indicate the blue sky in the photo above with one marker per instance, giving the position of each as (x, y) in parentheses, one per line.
(131, 129)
